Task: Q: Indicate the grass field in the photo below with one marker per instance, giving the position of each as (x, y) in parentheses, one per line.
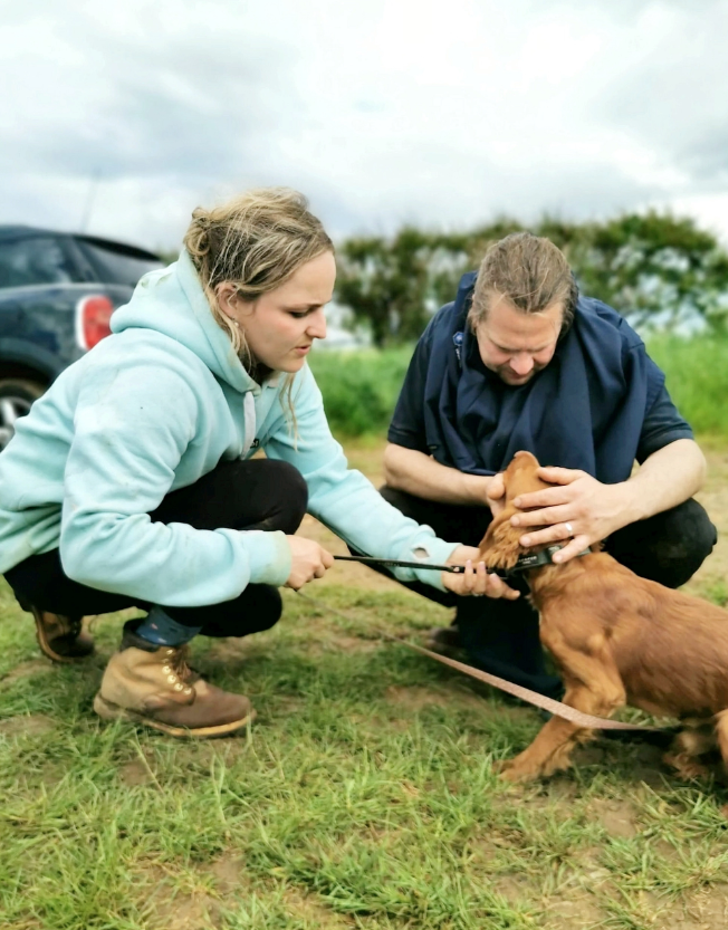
(362, 797)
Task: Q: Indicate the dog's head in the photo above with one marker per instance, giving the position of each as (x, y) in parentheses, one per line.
(500, 547)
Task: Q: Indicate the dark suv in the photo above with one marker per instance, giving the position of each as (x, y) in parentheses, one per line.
(57, 292)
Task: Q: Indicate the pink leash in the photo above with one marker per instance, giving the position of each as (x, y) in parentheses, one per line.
(525, 694)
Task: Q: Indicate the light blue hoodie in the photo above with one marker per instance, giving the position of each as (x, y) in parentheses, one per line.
(153, 408)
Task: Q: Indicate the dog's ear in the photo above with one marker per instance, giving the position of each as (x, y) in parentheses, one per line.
(499, 547)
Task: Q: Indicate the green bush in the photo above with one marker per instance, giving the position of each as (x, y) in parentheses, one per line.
(360, 388)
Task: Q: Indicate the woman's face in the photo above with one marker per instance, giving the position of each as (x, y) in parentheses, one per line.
(281, 325)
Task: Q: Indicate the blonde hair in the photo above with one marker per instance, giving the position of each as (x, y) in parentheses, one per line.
(256, 242)
(531, 272)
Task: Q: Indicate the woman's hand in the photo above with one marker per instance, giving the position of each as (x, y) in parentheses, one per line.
(475, 580)
(309, 561)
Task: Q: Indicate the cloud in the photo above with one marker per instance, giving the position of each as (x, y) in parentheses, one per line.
(671, 95)
(131, 115)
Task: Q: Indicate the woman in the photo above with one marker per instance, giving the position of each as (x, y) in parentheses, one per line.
(130, 482)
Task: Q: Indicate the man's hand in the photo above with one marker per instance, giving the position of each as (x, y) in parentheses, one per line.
(309, 561)
(420, 475)
(580, 508)
(495, 495)
(475, 580)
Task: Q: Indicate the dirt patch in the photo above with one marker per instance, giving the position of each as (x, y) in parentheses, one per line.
(574, 907)
(183, 912)
(219, 883)
(227, 647)
(462, 696)
(201, 751)
(310, 910)
(574, 911)
(136, 773)
(26, 669)
(706, 909)
(28, 725)
(229, 873)
(172, 908)
(617, 817)
(338, 644)
(415, 698)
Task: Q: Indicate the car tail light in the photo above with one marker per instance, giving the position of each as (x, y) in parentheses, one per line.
(92, 320)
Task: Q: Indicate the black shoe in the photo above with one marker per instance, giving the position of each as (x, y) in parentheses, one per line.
(444, 639)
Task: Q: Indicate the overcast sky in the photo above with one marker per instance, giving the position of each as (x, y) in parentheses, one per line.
(121, 117)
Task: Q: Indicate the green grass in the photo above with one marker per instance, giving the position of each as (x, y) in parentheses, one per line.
(363, 796)
(697, 379)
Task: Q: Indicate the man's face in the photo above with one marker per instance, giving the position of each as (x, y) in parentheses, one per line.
(515, 345)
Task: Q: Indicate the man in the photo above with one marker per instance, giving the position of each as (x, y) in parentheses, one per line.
(520, 361)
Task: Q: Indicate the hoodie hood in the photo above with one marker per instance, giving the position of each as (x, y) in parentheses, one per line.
(171, 301)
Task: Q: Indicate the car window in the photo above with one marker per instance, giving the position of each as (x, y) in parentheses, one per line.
(114, 266)
(35, 260)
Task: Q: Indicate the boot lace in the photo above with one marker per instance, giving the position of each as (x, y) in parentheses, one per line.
(179, 674)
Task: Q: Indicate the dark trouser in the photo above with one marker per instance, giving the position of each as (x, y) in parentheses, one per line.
(259, 494)
(501, 636)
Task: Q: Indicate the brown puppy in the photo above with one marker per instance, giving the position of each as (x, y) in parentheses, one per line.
(617, 639)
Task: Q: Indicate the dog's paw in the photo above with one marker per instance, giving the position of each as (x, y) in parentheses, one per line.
(516, 770)
(686, 766)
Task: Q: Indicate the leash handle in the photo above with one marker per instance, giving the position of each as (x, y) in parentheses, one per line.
(399, 563)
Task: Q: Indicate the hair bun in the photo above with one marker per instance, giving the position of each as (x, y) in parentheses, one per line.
(202, 218)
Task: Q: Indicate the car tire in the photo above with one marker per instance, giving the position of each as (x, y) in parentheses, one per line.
(16, 396)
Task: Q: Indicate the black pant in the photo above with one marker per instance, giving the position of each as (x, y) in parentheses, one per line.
(501, 636)
(259, 494)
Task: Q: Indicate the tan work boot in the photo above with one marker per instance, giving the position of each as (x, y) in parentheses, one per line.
(154, 686)
(61, 638)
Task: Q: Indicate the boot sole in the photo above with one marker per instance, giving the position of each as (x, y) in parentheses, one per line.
(108, 711)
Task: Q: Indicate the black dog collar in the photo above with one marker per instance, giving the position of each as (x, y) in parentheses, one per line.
(537, 559)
